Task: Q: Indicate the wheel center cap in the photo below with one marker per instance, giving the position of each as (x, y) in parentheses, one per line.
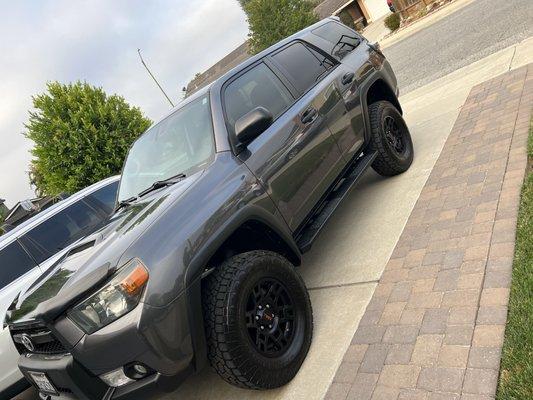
(266, 316)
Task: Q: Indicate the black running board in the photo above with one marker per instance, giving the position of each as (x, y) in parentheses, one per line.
(317, 221)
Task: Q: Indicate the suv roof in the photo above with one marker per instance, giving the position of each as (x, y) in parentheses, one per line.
(204, 89)
(21, 229)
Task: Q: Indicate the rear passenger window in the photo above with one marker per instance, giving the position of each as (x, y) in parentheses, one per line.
(258, 87)
(105, 197)
(343, 39)
(61, 230)
(14, 262)
(304, 66)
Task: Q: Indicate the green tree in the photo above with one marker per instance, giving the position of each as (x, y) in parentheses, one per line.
(243, 2)
(81, 135)
(273, 20)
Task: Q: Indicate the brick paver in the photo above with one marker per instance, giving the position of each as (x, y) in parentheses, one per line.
(434, 327)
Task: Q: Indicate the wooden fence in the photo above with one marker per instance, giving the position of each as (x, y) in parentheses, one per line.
(409, 7)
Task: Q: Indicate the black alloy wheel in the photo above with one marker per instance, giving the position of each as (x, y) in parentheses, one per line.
(270, 317)
(394, 135)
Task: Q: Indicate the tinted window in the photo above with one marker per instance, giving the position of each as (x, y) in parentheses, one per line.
(61, 230)
(105, 197)
(14, 262)
(304, 66)
(258, 87)
(344, 39)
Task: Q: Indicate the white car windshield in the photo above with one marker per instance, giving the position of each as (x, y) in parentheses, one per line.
(181, 143)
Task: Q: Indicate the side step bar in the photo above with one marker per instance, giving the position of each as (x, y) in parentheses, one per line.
(318, 220)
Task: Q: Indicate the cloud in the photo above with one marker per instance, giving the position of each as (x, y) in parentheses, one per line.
(97, 41)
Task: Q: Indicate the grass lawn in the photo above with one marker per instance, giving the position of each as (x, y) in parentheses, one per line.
(516, 371)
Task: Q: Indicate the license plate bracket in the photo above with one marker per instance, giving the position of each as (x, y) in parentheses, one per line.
(43, 384)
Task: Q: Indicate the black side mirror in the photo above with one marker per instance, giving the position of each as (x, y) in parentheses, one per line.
(251, 125)
(375, 46)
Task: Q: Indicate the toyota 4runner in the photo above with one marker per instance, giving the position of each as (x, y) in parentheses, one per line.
(216, 204)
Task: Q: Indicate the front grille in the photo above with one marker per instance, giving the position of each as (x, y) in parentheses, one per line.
(63, 390)
(41, 338)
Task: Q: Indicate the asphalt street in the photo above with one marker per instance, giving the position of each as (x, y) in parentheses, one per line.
(470, 34)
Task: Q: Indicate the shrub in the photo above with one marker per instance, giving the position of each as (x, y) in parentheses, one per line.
(393, 21)
(346, 19)
(273, 20)
(81, 135)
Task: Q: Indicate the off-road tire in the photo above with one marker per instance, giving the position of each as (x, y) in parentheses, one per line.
(231, 351)
(388, 161)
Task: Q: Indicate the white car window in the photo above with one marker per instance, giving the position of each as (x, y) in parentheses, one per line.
(14, 262)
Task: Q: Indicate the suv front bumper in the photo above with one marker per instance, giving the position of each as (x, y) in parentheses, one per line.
(159, 338)
(72, 381)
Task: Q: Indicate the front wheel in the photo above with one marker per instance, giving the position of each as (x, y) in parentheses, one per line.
(258, 320)
(391, 139)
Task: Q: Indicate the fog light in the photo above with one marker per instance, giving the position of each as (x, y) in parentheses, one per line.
(137, 371)
(116, 378)
(140, 369)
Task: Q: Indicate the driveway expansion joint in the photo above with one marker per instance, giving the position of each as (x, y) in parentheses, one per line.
(341, 285)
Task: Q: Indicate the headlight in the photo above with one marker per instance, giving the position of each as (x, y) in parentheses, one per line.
(118, 297)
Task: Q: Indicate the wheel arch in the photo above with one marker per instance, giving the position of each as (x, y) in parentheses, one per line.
(379, 90)
(376, 89)
(250, 226)
(254, 234)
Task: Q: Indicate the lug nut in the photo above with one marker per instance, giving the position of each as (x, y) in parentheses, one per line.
(270, 327)
(257, 317)
(262, 327)
(268, 305)
(260, 307)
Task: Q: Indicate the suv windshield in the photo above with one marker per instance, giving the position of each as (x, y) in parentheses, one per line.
(181, 143)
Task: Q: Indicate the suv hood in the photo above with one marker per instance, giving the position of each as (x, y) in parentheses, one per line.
(89, 262)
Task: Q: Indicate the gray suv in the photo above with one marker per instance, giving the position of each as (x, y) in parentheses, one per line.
(216, 204)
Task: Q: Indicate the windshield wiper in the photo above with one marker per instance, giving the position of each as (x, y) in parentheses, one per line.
(159, 184)
(124, 203)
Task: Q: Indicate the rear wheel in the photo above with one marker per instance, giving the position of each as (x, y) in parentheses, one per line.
(390, 137)
(258, 320)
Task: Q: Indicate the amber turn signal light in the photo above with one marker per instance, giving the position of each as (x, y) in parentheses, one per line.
(135, 281)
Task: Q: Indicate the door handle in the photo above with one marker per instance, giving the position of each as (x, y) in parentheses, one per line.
(348, 78)
(309, 115)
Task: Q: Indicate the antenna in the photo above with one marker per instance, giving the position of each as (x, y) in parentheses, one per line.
(153, 77)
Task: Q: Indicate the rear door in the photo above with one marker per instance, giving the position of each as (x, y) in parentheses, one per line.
(296, 158)
(306, 66)
(347, 46)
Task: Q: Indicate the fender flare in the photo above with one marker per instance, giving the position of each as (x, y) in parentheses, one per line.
(364, 89)
(195, 271)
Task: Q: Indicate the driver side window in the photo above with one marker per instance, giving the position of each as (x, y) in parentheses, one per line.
(257, 87)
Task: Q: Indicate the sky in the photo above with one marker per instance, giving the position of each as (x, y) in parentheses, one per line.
(96, 41)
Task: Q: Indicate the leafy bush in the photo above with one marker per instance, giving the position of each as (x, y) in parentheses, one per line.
(273, 20)
(81, 135)
(346, 19)
(393, 21)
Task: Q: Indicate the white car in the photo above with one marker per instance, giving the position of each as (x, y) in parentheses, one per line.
(32, 247)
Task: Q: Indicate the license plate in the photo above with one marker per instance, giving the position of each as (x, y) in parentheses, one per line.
(43, 383)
